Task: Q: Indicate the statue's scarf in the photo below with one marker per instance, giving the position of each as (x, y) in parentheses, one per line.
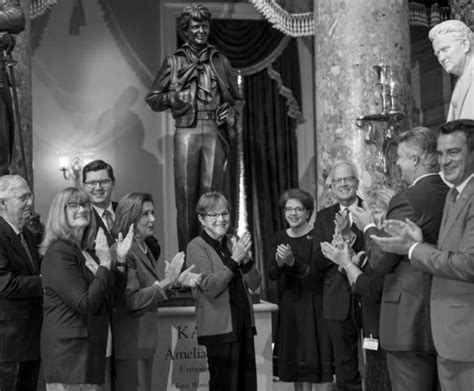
(197, 71)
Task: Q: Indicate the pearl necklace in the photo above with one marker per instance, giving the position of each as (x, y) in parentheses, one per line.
(142, 246)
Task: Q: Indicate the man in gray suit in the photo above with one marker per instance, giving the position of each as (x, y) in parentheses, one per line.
(452, 262)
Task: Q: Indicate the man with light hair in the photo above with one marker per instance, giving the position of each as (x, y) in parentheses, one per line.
(453, 45)
(340, 308)
(21, 291)
(405, 327)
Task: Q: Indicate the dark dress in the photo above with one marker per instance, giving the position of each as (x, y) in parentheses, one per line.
(302, 342)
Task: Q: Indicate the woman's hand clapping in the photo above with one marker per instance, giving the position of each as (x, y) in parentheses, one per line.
(124, 245)
(102, 249)
(188, 278)
(241, 247)
(284, 255)
(172, 270)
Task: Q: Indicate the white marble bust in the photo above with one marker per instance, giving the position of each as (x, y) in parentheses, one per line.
(453, 44)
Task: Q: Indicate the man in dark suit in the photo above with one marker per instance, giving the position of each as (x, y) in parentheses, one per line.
(99, 182)
(405, 331)
(339, 306)
(452, 262)
(20, 289)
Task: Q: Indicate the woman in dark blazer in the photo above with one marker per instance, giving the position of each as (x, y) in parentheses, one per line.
(78, 288)
(224, 312)
(135, 320)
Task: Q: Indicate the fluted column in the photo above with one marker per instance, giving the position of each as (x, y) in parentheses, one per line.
(22, 54)
(351, 37)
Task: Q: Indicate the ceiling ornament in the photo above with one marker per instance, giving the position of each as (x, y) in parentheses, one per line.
(39, 7)
(299, 24)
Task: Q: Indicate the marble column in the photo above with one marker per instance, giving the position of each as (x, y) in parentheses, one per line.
(22, 163)
(351, 37)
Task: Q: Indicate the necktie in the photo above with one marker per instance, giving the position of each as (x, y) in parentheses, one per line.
(348, 212)
(109, 221)
(450, 203)
(454, 195)
(27, 249)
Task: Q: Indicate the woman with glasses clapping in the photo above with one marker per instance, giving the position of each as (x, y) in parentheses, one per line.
(224, 313)
(79, 281)
(302, 344)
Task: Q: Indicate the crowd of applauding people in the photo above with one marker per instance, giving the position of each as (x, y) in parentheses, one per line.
(384, 281)
(85, 299)
(392, 273)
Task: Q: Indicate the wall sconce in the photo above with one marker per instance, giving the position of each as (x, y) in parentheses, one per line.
(72, 169)
(384, 126)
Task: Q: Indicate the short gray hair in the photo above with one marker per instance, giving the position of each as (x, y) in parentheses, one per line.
(455, 28)
(343, 162)
(423, 143)
(8, 183)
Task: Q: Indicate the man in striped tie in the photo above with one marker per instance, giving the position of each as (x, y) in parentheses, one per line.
(21, 291)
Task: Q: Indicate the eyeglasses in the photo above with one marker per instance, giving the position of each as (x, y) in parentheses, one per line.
(348, 179)
(215, 216)
(25, 197)
(297, 209)
(101, 182)
(75, 206)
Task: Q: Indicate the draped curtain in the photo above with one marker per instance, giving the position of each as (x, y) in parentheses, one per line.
(269, 62)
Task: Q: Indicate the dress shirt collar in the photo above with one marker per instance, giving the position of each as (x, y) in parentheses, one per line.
(15, 229)
(463, 185)
(100, 211)
(351, 206)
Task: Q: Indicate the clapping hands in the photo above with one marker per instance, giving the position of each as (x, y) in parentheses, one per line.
(102, 249)
(241, 247)
(284, 255)
(362, 217)
(338, 251)
(124, 244)
(188, 278)
(342, 222)
(173, 269)
(402, 236)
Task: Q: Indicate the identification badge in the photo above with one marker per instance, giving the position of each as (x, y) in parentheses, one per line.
(370, 343)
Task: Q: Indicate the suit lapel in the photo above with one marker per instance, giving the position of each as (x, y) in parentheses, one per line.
(143, 258)
(450, 217)
(16, 245)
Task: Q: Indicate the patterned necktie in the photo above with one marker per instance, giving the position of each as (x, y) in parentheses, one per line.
(27, 249)
(454, 195)
(109, 221)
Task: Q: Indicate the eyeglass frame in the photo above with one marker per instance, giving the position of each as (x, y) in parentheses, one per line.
(297, 209)
(25, 197)
(102, 182)
(75, 206)
(347, 179)
(215, 216)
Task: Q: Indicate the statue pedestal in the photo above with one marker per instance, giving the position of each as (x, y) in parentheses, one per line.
(181, 364)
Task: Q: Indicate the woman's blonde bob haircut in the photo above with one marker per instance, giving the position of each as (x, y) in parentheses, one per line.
(57, 227)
